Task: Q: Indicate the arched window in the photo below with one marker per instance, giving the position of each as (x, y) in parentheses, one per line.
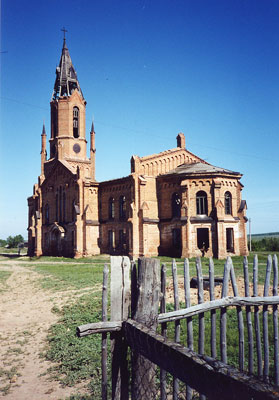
(76, 122)
(111, 208)
(46, 214)
(201, 201)
(228, 203)
(56, 206)
(122, 207)
(73, 211)
(176, 205)
(64, 206)
(60, 204)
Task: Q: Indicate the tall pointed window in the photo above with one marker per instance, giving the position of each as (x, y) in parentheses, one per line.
(111, 208)
(201, 200)
(176, 205)
(76, 122)
(64, 206)
(56, 206)
(60, 204)
(46, 214)
(122, 207)
(228, 203)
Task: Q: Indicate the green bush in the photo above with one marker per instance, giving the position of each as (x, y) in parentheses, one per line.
(266, 244)
(13, 241)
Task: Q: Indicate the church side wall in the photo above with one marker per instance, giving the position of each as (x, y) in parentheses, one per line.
(115, 208)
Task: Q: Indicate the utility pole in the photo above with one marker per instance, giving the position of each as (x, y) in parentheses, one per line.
(250, 240)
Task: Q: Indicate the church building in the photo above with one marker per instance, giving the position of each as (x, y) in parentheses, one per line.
(172, 203)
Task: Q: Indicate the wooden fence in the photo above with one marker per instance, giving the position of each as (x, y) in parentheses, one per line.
(174, 354)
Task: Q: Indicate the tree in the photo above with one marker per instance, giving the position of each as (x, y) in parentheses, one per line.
(13, 241)
(3, 243)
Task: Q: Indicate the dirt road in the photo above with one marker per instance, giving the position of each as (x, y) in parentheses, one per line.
(25, 317)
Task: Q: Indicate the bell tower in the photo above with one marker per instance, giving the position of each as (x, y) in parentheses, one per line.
(68, 135)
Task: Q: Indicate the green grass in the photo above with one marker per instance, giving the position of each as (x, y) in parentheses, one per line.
(77, 359)
(66, 276)
(83, 260)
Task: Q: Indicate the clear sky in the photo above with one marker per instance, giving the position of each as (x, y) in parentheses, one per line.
(148, 69)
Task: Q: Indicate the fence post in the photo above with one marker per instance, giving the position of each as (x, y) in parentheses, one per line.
(120, 302)
(145, 312)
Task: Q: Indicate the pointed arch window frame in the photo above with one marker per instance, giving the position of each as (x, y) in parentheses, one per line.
(228, 203)
(201, 203)
(76, 118)
(176, 205)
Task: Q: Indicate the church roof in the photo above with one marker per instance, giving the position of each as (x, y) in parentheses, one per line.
(199, 169)
(66, 77)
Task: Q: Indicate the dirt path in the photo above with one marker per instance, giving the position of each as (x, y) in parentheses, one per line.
(25, 317)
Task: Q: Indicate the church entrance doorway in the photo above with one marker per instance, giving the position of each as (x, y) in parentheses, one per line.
(55, 243)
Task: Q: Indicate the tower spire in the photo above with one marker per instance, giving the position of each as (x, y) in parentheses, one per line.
(92, 151)
(43, 149)
(66, 77)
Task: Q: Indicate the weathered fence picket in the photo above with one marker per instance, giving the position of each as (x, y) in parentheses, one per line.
(257, 318)
(223, 313)
(190, 339)
(201, 315)
(248, 318)
(177, 323)
(199, 372)
(104, 335)
(163, 374)
(265, 321)
(213, 312)
(275, 321)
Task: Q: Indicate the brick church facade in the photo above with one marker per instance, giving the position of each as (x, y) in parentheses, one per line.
(173, 203)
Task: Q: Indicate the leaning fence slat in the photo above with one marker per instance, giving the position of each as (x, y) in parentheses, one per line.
(104, 335)
(213, 312)
(240, 322)
(275, 321)
(200, 301)
(223, 313)
(177, 323)
(201, 316)
(163, 382)
(190, 340)
(257, 318)
(265, 321)
(248, 317)
(217, 304)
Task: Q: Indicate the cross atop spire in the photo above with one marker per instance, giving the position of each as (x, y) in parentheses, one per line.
(64, 30)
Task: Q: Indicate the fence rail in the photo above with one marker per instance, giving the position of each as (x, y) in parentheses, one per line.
(200, 371)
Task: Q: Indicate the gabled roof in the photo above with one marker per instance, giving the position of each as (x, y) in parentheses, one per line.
(199, 169)
(52, 164)
(66, 77)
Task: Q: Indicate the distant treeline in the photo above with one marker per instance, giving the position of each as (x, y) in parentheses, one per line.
(263, 235)
(266, 244)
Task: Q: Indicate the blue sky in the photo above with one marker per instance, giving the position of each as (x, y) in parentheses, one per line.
(149, 69)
